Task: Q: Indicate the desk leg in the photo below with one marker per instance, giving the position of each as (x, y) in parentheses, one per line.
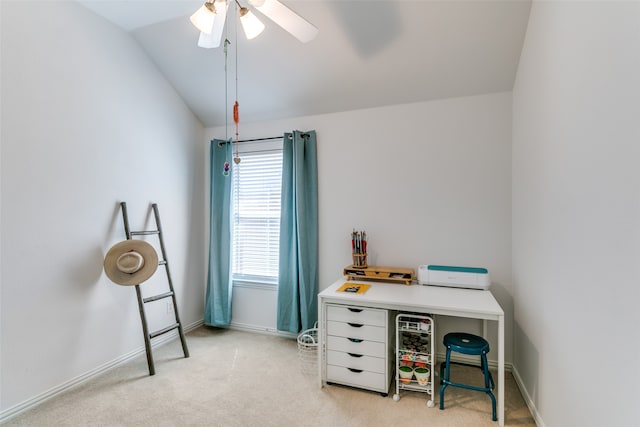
(321, 345)
(501, 371)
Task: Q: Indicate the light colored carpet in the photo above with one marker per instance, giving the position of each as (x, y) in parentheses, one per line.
(236, 378)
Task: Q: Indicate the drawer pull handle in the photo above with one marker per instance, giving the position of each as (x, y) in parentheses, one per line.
(357, 371)
(354, 339)
(354, 355)
(354, 310)
(355, 325)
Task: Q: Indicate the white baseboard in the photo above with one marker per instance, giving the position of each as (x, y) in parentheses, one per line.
(527, 399)
(192, 326)
(52, 392)
(261, 330)
(455, 357)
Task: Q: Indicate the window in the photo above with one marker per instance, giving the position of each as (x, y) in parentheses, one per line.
(256, 214)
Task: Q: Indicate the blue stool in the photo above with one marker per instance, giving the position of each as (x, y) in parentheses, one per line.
(473, 345)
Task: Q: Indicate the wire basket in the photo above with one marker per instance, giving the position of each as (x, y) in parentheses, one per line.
(308, 350)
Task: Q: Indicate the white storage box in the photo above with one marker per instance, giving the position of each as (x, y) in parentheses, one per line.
(456, 277)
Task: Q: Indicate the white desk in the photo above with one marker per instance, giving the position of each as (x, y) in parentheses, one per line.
(468, 303)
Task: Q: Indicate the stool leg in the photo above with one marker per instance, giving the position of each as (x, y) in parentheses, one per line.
(485, 369)
(488, 384)
(445, 379)
(483, 364)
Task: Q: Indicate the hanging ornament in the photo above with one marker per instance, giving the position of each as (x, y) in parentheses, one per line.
(236, 119)
(227, 166)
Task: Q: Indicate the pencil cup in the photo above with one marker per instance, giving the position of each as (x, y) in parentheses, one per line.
(359, 260)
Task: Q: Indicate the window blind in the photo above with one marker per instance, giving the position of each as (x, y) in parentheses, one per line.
(256, 216)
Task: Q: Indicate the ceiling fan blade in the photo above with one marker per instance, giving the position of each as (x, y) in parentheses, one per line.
(214, 38)
(299, 27)
(208, 41)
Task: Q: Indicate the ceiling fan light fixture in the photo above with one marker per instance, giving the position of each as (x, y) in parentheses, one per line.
(204, 18)
(251, 25)
(293, 23)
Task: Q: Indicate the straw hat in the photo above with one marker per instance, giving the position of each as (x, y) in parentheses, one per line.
(130, 262)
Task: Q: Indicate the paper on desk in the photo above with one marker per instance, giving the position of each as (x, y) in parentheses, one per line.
(355, 288)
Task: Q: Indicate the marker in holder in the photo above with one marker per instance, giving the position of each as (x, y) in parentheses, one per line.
(359, 249)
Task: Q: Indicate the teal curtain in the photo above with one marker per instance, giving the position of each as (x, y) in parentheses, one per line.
(217, 310)
(298, 266)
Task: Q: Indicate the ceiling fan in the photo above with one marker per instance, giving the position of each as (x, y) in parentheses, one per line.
(211, 16)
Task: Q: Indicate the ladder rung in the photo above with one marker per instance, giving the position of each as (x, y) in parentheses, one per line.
(164, 331)
(145, 233)
(157, 297)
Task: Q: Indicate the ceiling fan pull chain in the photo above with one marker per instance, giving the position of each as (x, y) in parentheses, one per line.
(227, 165)
(226, 91)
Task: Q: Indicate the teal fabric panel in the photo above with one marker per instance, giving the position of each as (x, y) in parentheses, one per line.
(298, 264)
(219, 285)
(458, 269)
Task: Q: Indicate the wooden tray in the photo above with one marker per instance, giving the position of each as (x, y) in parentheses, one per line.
(386, 274)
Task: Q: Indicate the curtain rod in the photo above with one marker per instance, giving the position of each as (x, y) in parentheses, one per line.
(271, 138)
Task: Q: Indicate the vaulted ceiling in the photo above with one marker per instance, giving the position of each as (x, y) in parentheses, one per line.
(367, 54)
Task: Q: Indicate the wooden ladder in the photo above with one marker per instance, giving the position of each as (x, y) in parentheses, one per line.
(170, 294)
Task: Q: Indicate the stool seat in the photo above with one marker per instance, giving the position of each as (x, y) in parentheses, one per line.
(464, 343)
(471, 345)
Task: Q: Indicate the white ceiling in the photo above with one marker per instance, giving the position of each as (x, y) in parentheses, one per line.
(367, 54)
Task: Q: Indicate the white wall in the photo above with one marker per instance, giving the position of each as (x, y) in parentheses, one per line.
(430, 183)
(87, 121)
(576, 213)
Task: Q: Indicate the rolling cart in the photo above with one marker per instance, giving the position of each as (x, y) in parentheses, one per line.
(415, 357)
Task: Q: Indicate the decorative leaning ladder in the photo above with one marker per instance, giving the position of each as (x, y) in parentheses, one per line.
(170, 294)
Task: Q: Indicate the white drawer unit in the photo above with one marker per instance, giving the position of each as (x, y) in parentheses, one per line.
(357, 347)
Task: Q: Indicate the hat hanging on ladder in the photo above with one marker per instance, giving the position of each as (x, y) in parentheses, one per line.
(130, 262)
